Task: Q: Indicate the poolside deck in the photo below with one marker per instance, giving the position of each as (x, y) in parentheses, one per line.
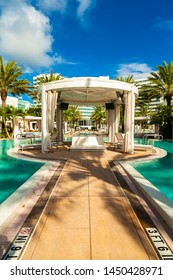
(88, 215)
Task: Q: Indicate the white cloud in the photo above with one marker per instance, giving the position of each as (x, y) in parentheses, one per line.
(83, 10)
(164, 24)
(138, 70)
(25, 35)
(25, 32)
(60, 60)
(83, 7)
(27, 70)
(67, 5)
(53, 5)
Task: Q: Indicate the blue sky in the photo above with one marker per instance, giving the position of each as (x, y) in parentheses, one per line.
(87, 37)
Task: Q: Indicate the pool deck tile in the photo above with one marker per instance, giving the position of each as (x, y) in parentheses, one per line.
(87, 216)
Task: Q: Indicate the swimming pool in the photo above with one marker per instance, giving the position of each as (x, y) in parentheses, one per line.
(13, 172)
(159, 171)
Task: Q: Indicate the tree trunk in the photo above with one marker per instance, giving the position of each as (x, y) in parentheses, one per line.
(168, 100)
(3, 99)
(167, 131)
(5, 127)
(3, 103)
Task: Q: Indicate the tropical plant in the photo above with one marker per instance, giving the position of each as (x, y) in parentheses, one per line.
(46, 78)
(160, 84)
(9, 83)
(11, 113)
(34, 111)
(129, 79)
(36, 95)
(4, 113)
(99, 115)
(72, 115)
(144, 111)
(40, 80)
(163, 117)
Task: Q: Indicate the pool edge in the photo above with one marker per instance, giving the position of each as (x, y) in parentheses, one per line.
(30, 189)
(160, 202)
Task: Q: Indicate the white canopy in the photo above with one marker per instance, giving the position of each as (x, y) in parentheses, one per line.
(88, 91)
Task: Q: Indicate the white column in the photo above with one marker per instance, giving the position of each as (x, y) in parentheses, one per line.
(45, 134)
(129, 122)
(132, 94)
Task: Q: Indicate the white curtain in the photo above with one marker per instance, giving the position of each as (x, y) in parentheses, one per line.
(126, 121)
(129, 122)
(16, 128)
(117, 117)
(49, 100)
(51, 106)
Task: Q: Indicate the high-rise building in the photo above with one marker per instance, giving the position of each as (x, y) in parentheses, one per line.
(154, 102)
(86, 112)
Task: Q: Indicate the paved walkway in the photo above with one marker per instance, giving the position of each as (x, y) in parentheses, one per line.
(88, 216)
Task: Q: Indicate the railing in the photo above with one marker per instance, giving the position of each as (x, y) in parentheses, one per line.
(154, 137)
(34, 137)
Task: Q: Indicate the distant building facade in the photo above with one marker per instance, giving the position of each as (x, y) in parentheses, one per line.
(154, 102)
(30, 123)
(86, 112)
(17, 103)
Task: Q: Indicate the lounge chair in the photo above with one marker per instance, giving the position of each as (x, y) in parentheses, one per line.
(119, 140)
(54, 138)
(142, 147)
(30, 146)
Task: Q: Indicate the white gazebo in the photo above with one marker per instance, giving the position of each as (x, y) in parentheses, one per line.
(89, 91)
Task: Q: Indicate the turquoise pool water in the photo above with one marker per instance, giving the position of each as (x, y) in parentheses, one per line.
(159, 171)
(13, 172)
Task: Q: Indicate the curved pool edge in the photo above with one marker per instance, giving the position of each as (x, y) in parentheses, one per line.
(29, 192)
(14, 152)
(157, 153)
(160, 202)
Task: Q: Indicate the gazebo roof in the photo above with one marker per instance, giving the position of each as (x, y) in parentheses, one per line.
(89, 90)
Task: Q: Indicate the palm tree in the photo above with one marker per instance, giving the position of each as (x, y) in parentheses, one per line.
(163, 118)
(11, 113)
(40, 80)
(129, 79)
(160, 83)
(99, 115)
(34, 111)
(9, 83)
(4, 113)
(48, 78)
(72, 115)
(144, 111)
(14, 113)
